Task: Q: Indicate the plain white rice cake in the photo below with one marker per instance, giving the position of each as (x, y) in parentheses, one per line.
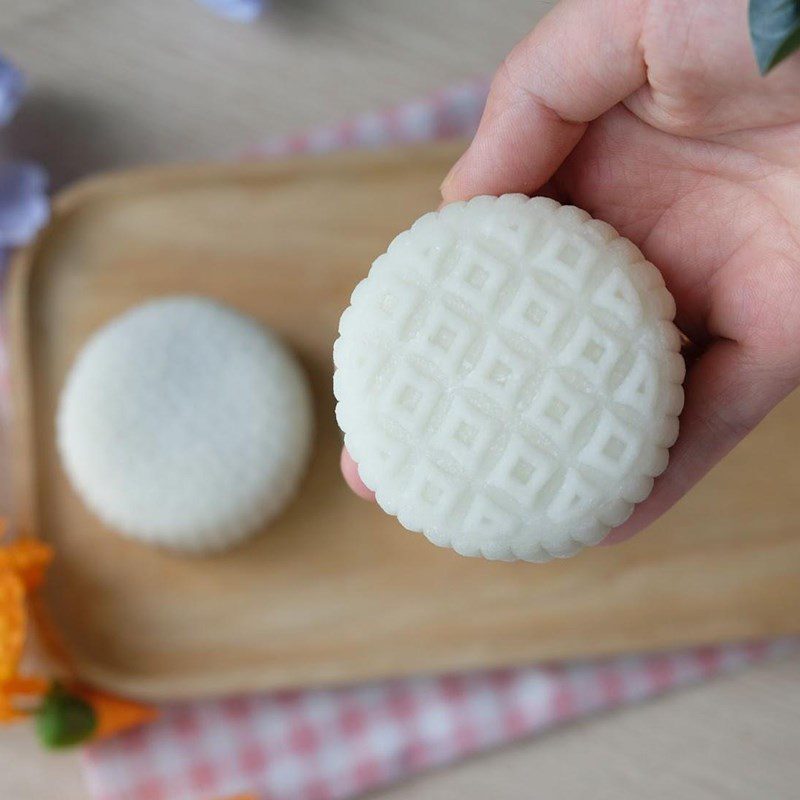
(185, 425)
(508, 378)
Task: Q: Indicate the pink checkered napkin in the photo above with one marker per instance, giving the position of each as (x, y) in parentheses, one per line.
(451, 112)
(325, 744)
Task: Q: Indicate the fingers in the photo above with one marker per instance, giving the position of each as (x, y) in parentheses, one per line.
(352, 478)
(728, 392)
(582, 59)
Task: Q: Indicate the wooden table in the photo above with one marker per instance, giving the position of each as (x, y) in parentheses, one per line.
(115, 82)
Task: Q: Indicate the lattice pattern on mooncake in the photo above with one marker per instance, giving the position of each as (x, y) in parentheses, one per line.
(508, 377)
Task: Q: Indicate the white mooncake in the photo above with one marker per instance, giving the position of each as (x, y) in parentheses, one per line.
(185, 425)
(508, 378)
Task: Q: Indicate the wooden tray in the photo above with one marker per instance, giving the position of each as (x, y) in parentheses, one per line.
(336, 591)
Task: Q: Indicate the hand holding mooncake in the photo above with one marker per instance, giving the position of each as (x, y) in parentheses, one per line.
(692, 155)
(508, 378)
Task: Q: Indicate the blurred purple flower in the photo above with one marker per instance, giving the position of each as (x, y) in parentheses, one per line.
(12, 87)
(24, 206)
(238, 10)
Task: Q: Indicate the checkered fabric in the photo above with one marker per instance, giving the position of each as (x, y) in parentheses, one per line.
(325, 744)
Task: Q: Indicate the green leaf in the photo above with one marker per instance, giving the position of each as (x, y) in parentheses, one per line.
(774, 31)
(64, 720)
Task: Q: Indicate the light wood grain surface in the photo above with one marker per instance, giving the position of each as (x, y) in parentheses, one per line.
(266, 238)
(118, 82)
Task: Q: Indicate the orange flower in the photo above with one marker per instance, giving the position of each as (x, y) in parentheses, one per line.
(22, 567)
(66, 715)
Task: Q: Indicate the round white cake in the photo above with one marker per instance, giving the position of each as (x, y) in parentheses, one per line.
(508, 378)
(185, 424)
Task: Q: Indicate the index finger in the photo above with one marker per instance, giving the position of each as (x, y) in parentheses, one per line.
(582, 58)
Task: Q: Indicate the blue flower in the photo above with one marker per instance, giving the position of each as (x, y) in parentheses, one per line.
(238, 10)
(24, 206)
(12, 87)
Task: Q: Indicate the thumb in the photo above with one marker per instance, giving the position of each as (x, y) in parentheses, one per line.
(580, 60)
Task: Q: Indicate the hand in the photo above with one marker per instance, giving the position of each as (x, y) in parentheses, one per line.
(652, 116)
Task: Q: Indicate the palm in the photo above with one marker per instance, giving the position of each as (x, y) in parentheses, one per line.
(713, 217)
(715, 214)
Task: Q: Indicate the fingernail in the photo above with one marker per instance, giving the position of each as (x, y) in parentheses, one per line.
(449, 179)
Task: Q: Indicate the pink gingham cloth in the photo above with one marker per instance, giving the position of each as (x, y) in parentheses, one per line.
(326, 744)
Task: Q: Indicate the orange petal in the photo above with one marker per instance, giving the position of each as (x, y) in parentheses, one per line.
(10, 714)
(13, 623)
(29, 558)
(26, 685)
(115, 714)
